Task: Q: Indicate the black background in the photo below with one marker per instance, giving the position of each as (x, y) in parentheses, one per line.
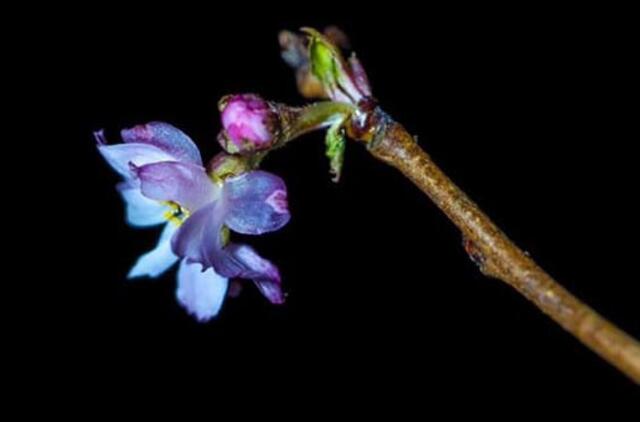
(527, 110)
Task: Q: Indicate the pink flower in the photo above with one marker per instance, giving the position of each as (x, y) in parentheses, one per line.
(166, 183)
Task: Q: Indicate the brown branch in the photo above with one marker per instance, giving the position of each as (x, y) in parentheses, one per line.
(486, 244)
(495, 254)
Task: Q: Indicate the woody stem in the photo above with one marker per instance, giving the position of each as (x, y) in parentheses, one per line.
(497, 256)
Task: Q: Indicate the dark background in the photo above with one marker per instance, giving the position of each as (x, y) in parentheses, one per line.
(527, 110)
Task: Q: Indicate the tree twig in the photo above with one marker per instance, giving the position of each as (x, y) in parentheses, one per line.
(495, 254)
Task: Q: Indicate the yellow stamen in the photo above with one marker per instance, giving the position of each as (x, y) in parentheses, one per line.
(225, 234)
(176, 214)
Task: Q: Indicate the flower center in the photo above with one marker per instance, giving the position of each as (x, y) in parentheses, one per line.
(176, 214)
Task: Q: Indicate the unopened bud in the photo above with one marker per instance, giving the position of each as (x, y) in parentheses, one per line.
(249, 124)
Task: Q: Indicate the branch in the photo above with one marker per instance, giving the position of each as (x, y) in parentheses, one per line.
(319, 63)
(499, 257)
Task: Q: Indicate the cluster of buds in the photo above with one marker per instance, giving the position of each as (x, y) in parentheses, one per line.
(253, 126)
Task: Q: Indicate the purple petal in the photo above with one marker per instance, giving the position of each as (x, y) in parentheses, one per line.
(263, 273)
(200, 292)
(257, 203)
(199, 239)
(187, 243)
(122, 156)
(166, 137)
(141, 211)
(101, 139)
(157, 261)
(183, 183)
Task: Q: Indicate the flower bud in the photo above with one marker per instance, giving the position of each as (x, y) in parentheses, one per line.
(249, 122)
(343, 80)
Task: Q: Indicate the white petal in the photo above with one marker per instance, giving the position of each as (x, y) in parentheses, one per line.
(142, 211)
(201, 293)
(119, 156)
(157, 261)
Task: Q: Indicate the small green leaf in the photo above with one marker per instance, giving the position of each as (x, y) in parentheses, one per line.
(335, 142)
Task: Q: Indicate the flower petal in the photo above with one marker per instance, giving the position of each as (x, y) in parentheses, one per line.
(187, 243)
(122, 156)
(263, 273)
(200, 292)
(200, 240)
(183, 183)
(257, 203)
(141, 211)
(157, 261)
(166, 137)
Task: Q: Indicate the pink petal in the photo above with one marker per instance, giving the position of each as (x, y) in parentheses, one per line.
(183, 183)
(359, 76)
(263, 273)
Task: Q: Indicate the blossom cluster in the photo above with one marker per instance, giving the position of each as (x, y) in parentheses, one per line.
(166, 183)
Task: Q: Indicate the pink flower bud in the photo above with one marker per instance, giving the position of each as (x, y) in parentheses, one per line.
(250, 123)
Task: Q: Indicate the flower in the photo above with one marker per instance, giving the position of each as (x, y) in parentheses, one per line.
(250, 123)
(166, 182)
